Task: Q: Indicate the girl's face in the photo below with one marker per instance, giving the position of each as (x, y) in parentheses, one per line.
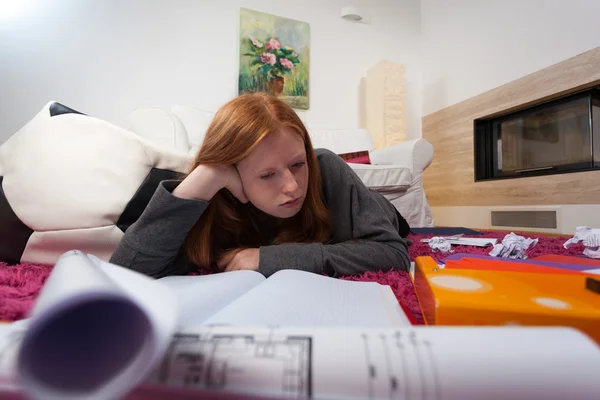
(275, 174)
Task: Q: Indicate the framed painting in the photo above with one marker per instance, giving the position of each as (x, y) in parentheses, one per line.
(274, 57)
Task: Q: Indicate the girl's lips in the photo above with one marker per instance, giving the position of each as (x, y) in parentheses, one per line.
(291, 203)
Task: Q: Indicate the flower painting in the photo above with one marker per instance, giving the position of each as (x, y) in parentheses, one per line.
(274, 56)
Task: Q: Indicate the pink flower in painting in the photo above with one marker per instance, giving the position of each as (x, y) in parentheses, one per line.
(256, 42)
(273, 44)
(286, 63)
(294, 54)
(268, 58)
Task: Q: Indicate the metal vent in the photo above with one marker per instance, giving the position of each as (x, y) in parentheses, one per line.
(525, 219)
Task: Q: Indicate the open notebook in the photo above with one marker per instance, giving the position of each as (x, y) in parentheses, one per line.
(288, 297)
(99, 331)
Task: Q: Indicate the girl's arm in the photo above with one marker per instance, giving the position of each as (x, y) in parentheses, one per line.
(364, 224)
(152, 245)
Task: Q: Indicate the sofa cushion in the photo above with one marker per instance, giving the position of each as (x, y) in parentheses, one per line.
(341, 140)
(195, 121)
(160, 126)
(388, 177)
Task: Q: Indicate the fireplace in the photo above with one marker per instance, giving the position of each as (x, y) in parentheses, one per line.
(555, 137)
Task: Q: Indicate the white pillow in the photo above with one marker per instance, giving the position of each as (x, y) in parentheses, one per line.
(72, 181)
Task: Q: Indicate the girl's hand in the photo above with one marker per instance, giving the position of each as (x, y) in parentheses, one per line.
(239, 259)
(233, 182)
(205, 181)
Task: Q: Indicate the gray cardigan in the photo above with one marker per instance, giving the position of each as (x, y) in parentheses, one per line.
(364, 232)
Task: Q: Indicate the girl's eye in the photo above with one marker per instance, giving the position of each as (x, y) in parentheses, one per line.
(299, 164)
(267, 176)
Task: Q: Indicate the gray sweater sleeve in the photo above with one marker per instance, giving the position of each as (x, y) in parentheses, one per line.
(365, 228)
(152, 245)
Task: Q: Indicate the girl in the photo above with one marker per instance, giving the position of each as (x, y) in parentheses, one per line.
(259, 197)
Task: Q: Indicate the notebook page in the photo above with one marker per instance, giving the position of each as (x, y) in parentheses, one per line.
(422, 363)
(291, 297)
(200, 297)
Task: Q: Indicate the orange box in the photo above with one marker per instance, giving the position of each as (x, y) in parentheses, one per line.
(453, 296)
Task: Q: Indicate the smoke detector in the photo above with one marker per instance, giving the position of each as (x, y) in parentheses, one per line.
(351, 13)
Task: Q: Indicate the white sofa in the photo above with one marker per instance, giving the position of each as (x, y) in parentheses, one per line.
(396, 171)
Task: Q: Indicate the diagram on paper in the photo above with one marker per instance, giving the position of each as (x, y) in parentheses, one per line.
(401, 366)
(277, 364)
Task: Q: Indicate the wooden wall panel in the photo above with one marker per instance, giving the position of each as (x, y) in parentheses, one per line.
(449, 180)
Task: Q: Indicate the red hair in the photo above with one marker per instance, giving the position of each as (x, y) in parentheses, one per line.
(227, 224)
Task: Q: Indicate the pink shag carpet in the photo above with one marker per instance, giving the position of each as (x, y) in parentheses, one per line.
(19, 287)
(20, 284)
(546, 245)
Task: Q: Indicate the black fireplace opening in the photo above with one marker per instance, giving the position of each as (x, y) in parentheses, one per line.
(555, 137)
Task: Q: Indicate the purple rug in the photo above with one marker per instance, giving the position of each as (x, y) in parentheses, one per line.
(20, 284)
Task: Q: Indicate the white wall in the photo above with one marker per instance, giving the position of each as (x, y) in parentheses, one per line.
(106, 57)
(568, 217)
(472, 46)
